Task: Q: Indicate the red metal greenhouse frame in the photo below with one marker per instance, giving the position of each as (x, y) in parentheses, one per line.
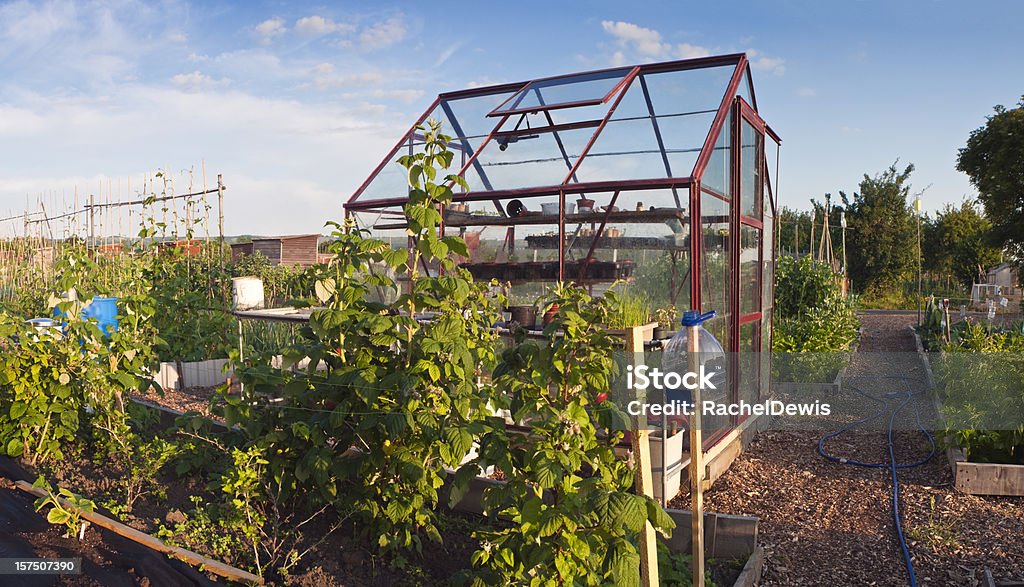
(734, 114)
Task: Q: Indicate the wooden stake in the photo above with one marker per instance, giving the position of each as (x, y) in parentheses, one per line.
(220, 209)
(644, 478)
(697, 463)
(156, 544)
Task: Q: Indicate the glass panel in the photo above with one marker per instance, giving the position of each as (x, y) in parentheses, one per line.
(467, 117)
(629, 147)
(768, 261)
(750, 269)
(541, 159)
(771, 170)
(751, 170)
(564, 90)
(690, 90)
(625, 150)
(715, 271)
(393, 180)
(744, 90)
(766, 355)
(716, 293)
(716, 175)
(750, 360)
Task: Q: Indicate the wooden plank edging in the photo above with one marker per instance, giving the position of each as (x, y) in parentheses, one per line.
(192, 558)
(751, 573)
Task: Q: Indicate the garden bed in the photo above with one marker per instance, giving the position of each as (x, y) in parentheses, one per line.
(969, 477)
(109, 559)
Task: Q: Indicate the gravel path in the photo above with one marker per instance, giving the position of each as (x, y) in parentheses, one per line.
(823, 523)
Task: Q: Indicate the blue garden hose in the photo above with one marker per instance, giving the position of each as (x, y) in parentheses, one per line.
(892, 465)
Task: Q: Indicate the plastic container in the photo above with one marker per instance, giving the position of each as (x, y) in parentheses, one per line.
(246, 293)
(104, 310)
(551, 208)
(710, 353)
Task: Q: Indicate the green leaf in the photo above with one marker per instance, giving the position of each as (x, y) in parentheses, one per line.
(324, 289)
(546, 472)
(624, 564)
(627, 510)
(460, 484)
(15, 447)
(530, 513)
(18, 410)
(57, 516)
(659, 518)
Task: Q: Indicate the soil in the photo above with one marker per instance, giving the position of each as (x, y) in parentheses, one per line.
(107, 559)
(191, 399)
(824, 523)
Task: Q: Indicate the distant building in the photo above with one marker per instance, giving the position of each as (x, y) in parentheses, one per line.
(1004, 275)
(297, 249)
(1000, 282)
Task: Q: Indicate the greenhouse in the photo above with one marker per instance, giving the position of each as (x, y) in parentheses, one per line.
(602, 177)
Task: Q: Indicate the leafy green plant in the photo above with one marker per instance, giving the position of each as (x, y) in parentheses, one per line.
(627, 309)
(575, 518)
(668, 318)
(674, 568)
(68, 513)
(980, 379)
(935, 533)
(59, 382)
(814, 324)
(388, 402)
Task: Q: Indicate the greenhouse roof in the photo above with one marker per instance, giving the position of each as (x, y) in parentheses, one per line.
(635, 127)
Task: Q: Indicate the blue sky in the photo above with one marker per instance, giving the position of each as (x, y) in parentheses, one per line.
(295, 103)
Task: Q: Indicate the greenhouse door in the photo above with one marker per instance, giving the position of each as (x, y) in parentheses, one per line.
(747, 259)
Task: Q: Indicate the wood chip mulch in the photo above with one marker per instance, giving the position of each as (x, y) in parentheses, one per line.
(827, 524)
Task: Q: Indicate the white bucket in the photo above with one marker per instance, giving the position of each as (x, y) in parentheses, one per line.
(246, 293)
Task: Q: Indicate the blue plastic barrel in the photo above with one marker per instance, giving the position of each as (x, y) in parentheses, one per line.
(104, 310)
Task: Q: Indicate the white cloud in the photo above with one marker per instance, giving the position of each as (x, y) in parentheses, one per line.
(447, 54)
(316, 25)
(177, 37)
(806, 92)
(197, 81)
(84, 44)
(35, 23)
(403, 95)
(270, 28)
(267, 149)
(324, 76)
(383, 34)
(688, 51)
(644, 41)
(635, 42)
(763, 62)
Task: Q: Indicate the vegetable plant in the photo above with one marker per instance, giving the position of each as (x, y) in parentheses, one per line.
(575, 517)
(69, 515)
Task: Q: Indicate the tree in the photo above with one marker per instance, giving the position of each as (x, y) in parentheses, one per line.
(882, 236)
(994, 160)
(962, 242)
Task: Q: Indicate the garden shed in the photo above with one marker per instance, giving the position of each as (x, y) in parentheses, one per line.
(604, 176)
(298, 249)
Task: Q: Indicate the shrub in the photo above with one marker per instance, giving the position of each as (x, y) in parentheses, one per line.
(980, 376)
(569, 496)
(811, 316)
(60, 383)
